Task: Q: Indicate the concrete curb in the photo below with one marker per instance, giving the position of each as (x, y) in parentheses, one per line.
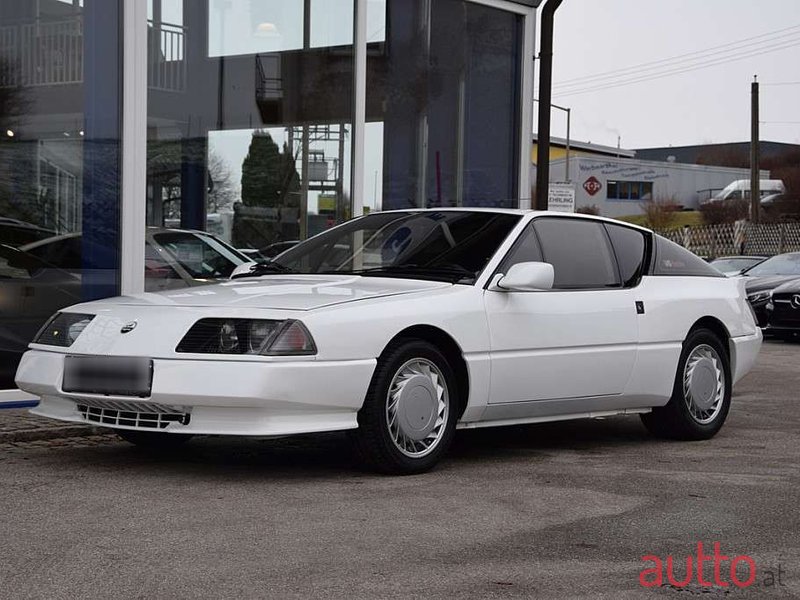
(47, 433)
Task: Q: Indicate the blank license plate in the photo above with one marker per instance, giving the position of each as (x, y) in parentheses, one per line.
(111, 375)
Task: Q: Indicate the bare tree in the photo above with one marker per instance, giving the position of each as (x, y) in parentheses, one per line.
(221, 188)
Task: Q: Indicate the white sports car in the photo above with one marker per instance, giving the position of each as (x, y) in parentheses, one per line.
(405, 326)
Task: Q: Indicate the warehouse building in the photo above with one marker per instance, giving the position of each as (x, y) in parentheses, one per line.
(618, 182)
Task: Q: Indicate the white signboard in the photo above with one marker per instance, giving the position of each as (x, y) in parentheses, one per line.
(561, 197)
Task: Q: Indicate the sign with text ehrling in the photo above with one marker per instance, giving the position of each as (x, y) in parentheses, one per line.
(561, 197)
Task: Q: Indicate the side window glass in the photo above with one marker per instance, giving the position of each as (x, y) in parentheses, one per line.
(629, 248)
(579, 251)
(526, 249)
(672, 259)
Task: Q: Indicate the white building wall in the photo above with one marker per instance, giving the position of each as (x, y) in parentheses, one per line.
(685, 184)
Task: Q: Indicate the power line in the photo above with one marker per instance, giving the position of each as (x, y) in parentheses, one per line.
(739, 52)
(687, 57)
(780, 122)
(782, 83)
(673, 72)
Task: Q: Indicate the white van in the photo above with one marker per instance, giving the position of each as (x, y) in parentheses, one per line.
(740, 190)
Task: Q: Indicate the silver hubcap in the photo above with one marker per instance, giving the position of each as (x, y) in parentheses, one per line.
(704, 384)
(417, 406)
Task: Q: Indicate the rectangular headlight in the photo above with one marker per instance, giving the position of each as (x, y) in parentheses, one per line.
(248, 336)
(62, 329)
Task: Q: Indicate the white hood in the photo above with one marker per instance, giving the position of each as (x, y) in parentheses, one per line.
(281, 292)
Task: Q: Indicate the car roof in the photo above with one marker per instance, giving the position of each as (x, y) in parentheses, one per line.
(68, 236)
(516, 211)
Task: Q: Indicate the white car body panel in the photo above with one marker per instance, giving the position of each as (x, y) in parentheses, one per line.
(529, 356)
(539, 340)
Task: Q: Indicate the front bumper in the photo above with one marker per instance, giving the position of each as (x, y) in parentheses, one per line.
(222, 397)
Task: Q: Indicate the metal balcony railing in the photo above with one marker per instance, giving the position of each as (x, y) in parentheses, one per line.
(269, 85)
(166, 57)
(47, 53)
(42, 52)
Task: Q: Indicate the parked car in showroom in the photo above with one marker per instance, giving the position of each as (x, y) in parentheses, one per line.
(765, 277)
(783, 311)
(731, 266)
(39, 278)
(401, 327)
(14, 232)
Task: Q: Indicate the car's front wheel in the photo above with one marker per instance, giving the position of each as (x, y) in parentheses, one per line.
(152, 439)
(701, 396)
(409, 414)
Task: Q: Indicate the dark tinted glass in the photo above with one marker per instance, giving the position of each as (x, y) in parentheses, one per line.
(526, 249)
(672, 259)
(394, 242)
(579, 251)
(62, 253)
(629, 246)
(443, 104)
(60, 125)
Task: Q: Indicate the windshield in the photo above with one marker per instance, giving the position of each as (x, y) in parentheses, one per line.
(784, 264)
(447, 245)
(733, 264)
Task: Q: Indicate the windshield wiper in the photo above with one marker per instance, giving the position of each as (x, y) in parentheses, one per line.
(264, 269)
(452, 272)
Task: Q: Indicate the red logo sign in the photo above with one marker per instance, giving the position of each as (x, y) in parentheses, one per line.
(592, 185)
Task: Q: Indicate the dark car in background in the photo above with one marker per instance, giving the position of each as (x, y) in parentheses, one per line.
(15, 232)
(783, 311)
(763, 278)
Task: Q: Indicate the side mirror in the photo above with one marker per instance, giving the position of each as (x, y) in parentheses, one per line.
(525, 277)
(242, 269)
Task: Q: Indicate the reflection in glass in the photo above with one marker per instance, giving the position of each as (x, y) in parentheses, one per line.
(59, 163)
(256, 148)
(443, 81)
(236, 27)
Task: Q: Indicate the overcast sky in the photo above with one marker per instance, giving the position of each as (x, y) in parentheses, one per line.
(710, 105)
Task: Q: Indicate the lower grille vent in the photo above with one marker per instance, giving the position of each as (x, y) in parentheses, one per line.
(132, 414)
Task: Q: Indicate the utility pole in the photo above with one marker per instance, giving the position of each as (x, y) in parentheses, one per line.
(545, 96)
(755, 170)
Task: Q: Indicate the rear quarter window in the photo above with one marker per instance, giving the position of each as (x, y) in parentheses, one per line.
(675, 260)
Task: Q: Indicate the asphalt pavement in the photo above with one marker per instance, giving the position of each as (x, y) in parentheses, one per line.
(563, 510)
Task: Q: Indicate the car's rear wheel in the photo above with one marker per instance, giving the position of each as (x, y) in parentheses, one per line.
(153, 439)
(701, 395)
(409, 414)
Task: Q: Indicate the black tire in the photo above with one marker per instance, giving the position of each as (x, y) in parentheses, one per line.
(373, 439)
(153, 440)
(674, 420)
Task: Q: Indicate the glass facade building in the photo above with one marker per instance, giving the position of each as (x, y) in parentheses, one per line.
(129, 127)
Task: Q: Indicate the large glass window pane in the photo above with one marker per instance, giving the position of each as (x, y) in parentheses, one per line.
(580, 253)
(443, 84)
(59, 163)
(250, 127)
(252, 27)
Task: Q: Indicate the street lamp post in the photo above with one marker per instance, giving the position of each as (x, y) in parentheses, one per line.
(569, 118)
